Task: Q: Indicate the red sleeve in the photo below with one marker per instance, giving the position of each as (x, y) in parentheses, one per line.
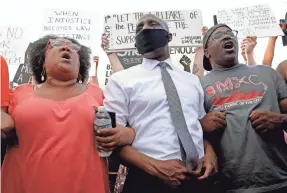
(18, 95)
(4, 83)
(97, 92)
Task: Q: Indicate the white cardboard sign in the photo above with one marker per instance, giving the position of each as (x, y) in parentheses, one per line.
(186, 27)
(256, 20)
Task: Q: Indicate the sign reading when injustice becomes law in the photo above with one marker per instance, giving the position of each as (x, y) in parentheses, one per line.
(256, 20)
(67, 23)
(185, 26)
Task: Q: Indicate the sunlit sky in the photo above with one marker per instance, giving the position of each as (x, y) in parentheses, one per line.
(29, 13)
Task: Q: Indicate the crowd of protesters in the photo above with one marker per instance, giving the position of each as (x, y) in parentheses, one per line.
(176, 132)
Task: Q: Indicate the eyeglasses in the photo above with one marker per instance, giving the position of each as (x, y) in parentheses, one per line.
(221, 35)
(56, 43)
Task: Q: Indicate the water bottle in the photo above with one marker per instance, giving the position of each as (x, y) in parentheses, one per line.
(102, 121)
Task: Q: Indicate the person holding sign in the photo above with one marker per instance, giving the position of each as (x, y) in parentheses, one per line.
(114, 61)
(164, 105)
(247, 47)
(269, 52)
(252, 154)
(54, 124)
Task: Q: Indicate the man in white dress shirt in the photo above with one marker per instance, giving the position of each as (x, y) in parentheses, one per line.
(138, 97)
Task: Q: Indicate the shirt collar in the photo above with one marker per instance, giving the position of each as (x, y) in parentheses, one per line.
(151, 64)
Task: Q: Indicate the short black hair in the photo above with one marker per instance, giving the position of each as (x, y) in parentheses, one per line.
(283, 62)
(36, 57)
(156, 18)
(281, 65)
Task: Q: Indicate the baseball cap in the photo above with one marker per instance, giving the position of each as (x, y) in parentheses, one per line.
(206, 63)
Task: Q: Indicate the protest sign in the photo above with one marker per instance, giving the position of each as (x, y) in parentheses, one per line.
(129, 58)
(108, 73)
(13, 42)
(181, 56)
(68, 23)
(185, 27)
(256, 20)
(24, 72)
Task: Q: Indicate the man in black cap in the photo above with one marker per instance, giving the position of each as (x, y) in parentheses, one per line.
(252, 153)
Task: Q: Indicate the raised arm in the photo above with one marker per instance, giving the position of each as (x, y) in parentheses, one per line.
(115, 63)
(247, 50)
(198, 69)
(269, 52)
(94, 79)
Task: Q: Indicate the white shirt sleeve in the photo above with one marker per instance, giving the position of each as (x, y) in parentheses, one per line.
(116, 99)
(201, 112)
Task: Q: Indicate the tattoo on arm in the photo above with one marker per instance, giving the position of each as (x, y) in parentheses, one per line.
(195, 69)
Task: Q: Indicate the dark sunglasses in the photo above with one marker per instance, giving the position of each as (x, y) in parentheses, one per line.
(221, 35)
(57, 43)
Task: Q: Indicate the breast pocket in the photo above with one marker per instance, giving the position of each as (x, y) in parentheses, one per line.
(148, 94)
(190, 98)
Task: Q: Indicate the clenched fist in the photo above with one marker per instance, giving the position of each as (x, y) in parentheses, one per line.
(266, 120)
(213, 121)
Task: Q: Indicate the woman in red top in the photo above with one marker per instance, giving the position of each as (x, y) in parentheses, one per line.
(54, 124)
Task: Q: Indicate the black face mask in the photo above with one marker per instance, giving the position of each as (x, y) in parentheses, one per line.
(148, 40)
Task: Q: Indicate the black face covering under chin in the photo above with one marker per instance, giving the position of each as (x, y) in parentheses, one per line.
(148, 40)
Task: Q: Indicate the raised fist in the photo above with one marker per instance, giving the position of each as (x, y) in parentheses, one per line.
(185, 61)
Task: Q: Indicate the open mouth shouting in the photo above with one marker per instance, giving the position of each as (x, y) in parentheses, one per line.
(229, 46)
(66, 57)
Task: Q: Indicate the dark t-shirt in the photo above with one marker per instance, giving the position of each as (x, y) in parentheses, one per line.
(249, 161)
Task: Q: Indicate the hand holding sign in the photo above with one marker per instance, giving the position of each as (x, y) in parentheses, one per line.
(249, 43)
(204, 30)
(105, 43)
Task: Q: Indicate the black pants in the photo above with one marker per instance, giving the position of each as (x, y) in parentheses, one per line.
(138, 181)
